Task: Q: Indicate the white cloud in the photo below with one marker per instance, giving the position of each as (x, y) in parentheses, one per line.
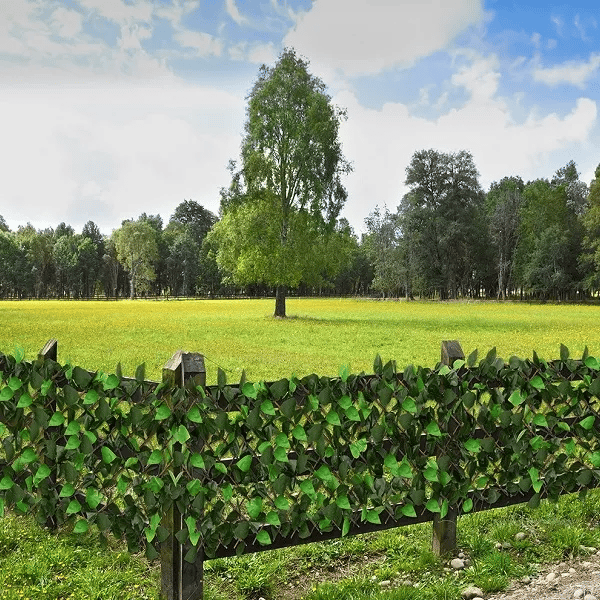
(571, 72)
(67, 23)
(110, 152)
(262, 54)
(382, 142)
(120, 11)
(204, 43)
(366, 37)
(234, 12)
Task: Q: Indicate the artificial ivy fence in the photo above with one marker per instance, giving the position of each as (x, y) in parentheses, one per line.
(236, 468)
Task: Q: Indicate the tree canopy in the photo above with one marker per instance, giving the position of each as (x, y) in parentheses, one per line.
(288, 193)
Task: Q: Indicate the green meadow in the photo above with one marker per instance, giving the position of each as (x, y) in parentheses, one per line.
(319, 336)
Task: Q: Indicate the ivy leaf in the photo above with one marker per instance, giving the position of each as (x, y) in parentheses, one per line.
(343, 502)
(299, 433)
(592, 363)
(155, 458)
(433, 429)
(408, 510)
(263, 538)
(433, 506)
(14, 383)
(467, 505)
(67, 491)
(344, 372)
(181, 434)
(197, 461)
(91, 397)
(346, 527)
(358, 447)
(473, 445)
(268, 408)
(25, 400)
(108, 455)
(538, 383)
(333, 418)
(112, 382)
(244, 463)
(254, 507)
(81, 526)
(93, 497)
(372, 516)
(57, 419)
(74, 507)
(588, 422)
(249, 391)
(163, 412)
(194, 415)
(281, 503)
(272, 518)
(540, 420)
(404, 469)
(6, 483)
(409, 405)
(517, 398)
(28, 456)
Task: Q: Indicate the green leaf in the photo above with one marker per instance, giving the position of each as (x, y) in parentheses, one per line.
(254, 507)
(244, 463)
(408, 510)
(181, 434)
(193, 487)
(25, 400)
(343, 502)
(14, 383)
(112, 382)
(433, 506)
(299, 433)
(404, 469)
(346, 527)
(281, 503)
(473, 445)
(163, 412)
(263, 538)
(307, 487)
(352, 414)
(249, 390)
(333, 418)
(538, 383)
(108, 455)
(73, 442)
(197, 461)
(372, 516)
(588, 422)
(194, 415)
(56, 419)
(74, 507)
(91, 397)
(67, 491)
(73, 428)
(467, 505)
(6, 483)
(81, 526)
(540, 420)
(282, 440)
(592, 363)
(595, 459)
(93, 497)
(358, 447)
(324, 473)
(6, 394)
(272, 518)
(433, 429)
(517, 398)
(280, 454)
(430, 474)
(268, 408)
(155, 458)
(409, 405)
(227, 492)
(28, 456)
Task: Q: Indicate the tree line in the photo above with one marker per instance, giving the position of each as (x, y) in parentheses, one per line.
(279, 227)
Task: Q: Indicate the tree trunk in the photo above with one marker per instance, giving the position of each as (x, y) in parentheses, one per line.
(280, 293)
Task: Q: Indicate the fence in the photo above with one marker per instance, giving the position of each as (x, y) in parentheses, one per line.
(194, 471)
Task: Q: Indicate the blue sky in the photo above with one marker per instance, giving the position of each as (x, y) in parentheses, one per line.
(110, 108)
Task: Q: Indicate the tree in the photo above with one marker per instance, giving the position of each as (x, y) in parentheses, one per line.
(443, 217)
(290, 179)
(591, 242)
(136, 247)
(504, 201)
(197, 219)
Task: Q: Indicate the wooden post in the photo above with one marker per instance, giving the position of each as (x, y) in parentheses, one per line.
(181, 580)
(49, 351)
(444, 530)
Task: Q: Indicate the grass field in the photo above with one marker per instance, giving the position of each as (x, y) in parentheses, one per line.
(319, 336)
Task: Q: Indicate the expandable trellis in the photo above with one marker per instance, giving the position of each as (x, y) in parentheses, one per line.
(193, 471)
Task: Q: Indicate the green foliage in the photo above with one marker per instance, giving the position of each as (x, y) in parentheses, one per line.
(287, 457)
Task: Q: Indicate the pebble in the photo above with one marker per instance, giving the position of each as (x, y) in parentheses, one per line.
(519, 537)
(385, 583)
(457, 563)
(550, 577)
(471, 593)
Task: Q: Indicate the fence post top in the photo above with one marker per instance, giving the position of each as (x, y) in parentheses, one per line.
(184, 366)
(50, 350)
(451, 351)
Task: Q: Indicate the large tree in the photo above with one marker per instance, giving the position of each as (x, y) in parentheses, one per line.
(591, 243)
(443, 217)
(289, 182)
(136, 247)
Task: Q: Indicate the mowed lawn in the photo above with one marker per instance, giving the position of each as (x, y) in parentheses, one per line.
(319, 336)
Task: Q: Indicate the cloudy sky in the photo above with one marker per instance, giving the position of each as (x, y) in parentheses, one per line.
(110, 108)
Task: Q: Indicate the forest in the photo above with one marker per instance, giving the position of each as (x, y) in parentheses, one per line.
(446, 239)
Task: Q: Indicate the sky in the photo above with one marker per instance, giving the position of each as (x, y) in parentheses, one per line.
(111, 108)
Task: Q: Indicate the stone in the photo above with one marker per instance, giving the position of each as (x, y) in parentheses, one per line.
(526, 580)
(457, 563)
(385, 583)
(550, 577)
(519, 537)
(589, 597)
(471, 593)
(579, 593)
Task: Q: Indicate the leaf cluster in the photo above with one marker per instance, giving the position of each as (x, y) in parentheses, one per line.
(253, 464)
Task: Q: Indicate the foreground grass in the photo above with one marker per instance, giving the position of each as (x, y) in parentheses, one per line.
(36, 564)
(321, 334)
